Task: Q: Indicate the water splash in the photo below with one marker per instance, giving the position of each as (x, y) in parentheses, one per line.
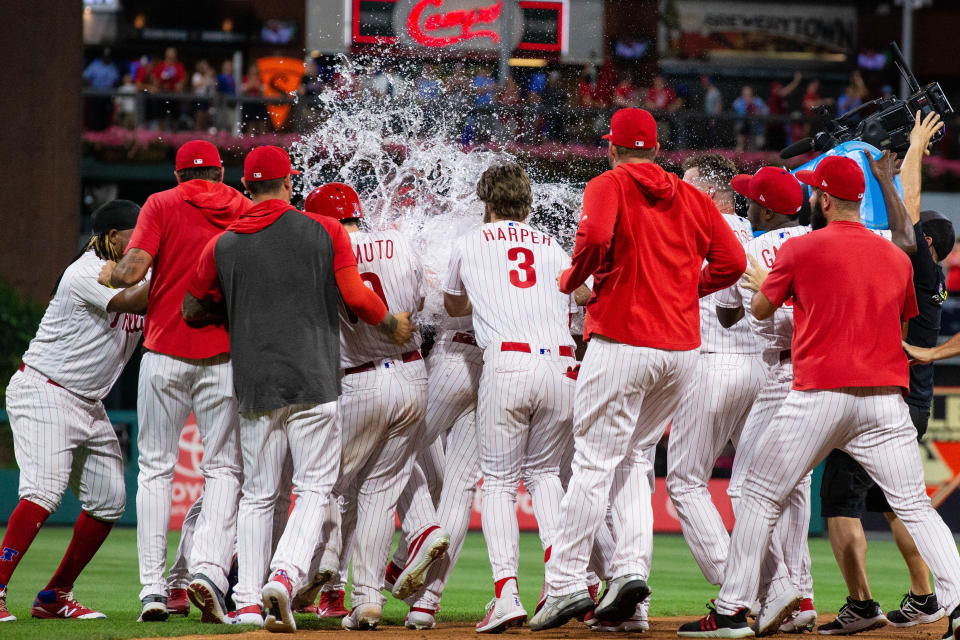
(406, 159)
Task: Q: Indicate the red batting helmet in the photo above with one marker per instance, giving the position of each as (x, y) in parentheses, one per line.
(335, 200)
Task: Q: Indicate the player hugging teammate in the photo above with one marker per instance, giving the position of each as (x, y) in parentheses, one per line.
(292, 337)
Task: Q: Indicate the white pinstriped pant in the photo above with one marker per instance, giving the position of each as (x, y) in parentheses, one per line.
(454, 370)
(381, 418)
(714, 409)
(169, 388)
(873, 426)
(625, 397)
(788, 563)
(524, 409)
(61, 440)
(308, 437)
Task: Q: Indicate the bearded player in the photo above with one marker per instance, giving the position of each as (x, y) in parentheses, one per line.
(61, 433)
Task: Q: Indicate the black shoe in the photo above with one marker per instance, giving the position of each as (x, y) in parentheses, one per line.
(916, 610)
(855, 617)
(953, 625)
(717, 625)
(621, 598)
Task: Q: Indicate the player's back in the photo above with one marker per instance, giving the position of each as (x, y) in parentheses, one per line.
(390, 267)
(509, 272)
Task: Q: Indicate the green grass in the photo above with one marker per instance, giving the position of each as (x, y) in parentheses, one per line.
(111, 584)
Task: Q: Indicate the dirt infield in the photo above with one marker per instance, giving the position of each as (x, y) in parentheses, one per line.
(661, 628)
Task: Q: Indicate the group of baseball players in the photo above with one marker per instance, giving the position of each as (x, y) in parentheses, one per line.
(291, 337)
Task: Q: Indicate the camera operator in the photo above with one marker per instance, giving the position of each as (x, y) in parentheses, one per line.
(847, 490)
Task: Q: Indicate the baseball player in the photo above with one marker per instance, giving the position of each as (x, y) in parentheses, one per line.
(846, 393)
(285, 353)
(184, 369)
(501, 273)
(728, 375)
(61, 433)
(644, 235)
(382, 408)
(775, 198)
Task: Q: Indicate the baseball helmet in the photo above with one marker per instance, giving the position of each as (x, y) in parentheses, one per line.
(335, 200)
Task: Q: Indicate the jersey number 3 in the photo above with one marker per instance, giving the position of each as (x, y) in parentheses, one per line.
(524, 276)
(372, 280)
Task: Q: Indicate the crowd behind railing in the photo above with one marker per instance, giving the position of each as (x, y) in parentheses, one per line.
(531, 106)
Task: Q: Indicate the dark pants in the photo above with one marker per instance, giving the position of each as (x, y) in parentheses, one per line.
(847, 490)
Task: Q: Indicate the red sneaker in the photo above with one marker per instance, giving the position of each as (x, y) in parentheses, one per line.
(5, 615)
(178, 604)
(331, 604)
(59, 604)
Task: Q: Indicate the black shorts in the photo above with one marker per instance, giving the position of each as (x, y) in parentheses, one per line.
(847, 490)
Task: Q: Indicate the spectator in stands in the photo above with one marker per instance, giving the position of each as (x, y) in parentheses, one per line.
(483, 87)
(126, 103)
(429, 90)
(170, 76)
(626, 93)
(778, 133)
(204, 85)
(254, 115)
(554, 101)
(101, 74)
(706, 133)
(538, 82)
(660, 97)
(712, 98)
(226, 83)
(849, 101)
(748, 106)
(587, 87)
(509, 119)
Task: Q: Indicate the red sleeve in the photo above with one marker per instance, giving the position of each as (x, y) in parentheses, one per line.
(149, 230)
(778, 287)
(205, 283)
(358, 297)
(342, 249)
(595, 233)
(726, 260)
(910, 308)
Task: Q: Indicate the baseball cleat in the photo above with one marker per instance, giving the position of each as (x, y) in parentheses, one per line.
(424, 551)
(331, 604)
(558, 610)
(59, 604)
(205, 596)
(178, 604)
(953, 625)
(364, 617)
(717, 625)
(420, 618)
(252, 615)
(307, 596)
(623, 595)
(153, 609)
(5, 615)
(803, 619)
(916, 610)
(775, 611)
(277, 596)
(503, 613)
(854, 618)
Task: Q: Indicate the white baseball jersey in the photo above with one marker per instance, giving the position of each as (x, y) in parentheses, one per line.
(738, 338)
(389, 266)
(777, 330)
(78, 344)
(509, 271)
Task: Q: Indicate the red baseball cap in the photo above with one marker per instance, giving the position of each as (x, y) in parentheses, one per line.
(773, 188)
(839, 176)
(633, 128)
(197, 153)
(267, 163)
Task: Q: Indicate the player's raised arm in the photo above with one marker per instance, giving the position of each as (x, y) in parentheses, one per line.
(899, 220)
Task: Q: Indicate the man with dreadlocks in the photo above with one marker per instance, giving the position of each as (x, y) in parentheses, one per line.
(61, 433)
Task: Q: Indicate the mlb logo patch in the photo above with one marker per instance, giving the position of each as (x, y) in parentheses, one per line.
(638, 143)
(198, 161)
(257, 174)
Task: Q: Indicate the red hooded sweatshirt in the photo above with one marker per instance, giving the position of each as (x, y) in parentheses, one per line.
(173, 227)
(644, 235)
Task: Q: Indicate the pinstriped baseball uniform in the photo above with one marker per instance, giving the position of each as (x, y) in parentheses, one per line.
(54, 401)
(846, 394)
(525, 400)
(788, 564)
(382, 407)
(728, 376)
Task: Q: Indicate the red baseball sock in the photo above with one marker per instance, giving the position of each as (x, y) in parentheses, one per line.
(88, 534)
(22, 528)
(500, 584)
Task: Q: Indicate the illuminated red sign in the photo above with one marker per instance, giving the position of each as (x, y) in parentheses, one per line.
(463, 20)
